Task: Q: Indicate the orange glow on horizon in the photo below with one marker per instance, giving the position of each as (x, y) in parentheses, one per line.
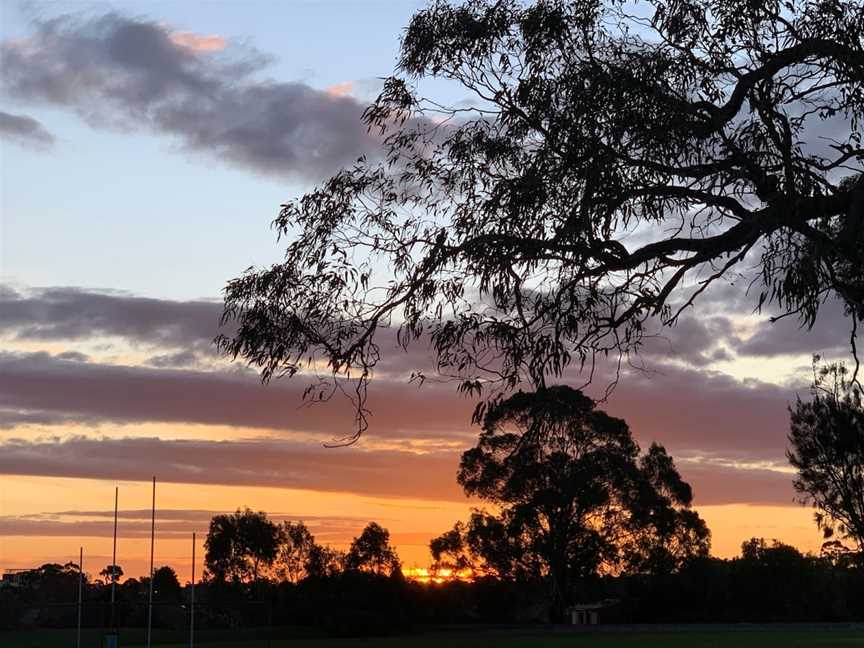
(334, 517)
(429, 575)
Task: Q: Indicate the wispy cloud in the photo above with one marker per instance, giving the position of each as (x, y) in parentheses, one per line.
(40, 388)
(172, 523)
(268, 462)
(289, 464)
(681, 403)
(686, 407)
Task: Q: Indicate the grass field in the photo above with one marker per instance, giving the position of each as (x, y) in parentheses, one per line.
(736, 636)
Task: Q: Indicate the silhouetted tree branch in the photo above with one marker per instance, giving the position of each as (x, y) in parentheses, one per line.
(295, 549)
(614, 160)
(827, 448)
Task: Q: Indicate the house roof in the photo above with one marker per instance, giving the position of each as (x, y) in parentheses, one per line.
(577, 607)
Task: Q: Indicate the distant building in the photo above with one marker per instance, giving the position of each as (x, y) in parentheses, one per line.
(15, 577)
(605, 611)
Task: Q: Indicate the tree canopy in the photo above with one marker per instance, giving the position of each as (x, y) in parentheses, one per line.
(295, 549)
(239, 544)
(827, 448)
(166, 585)
(111, 573)
(371, 552)
(611, 161)
(324, 561)
(573, 496)
(769, 582)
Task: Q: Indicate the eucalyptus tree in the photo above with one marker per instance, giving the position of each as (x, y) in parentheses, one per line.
(372, 552)
(240, 545)
(573, 497)
(295, 549)
(827, 449)
(607, 162)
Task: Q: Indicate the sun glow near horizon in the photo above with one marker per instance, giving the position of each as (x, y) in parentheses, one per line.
(334, 518)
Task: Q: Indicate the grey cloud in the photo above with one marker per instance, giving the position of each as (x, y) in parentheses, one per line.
(72, 314)
(737, 297)
(689, 411)
(722, 302)
(720, 355)
(75, 314)
(73, 356)
(702, 412)
(692, 340)
(12, 526)
(171, 523)
(702, 340)
(8, 292)
(271, 463)
(37, 385)
(188, 328)
(381, 473)
(718, 484)
(180, 359)
(120, 72)
(11, 417)
(186, 515)
(829, 336)
(686, 409)
(25, 131)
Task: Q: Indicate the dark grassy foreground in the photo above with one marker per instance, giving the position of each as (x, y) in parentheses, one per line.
(739, 636)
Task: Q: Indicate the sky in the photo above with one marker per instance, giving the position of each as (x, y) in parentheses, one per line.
(145, 148)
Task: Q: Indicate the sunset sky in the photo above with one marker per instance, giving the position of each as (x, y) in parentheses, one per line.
(146, 147)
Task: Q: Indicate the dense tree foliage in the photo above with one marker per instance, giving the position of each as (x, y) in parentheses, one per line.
(238, 545)
(295, 549)
(324, 562)
(111, 573)
(371, 552)
(827, 449)
(166, 585)
(573, 496)
(769, 581)
(612, 161)
(55, 582)
(482, 547)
